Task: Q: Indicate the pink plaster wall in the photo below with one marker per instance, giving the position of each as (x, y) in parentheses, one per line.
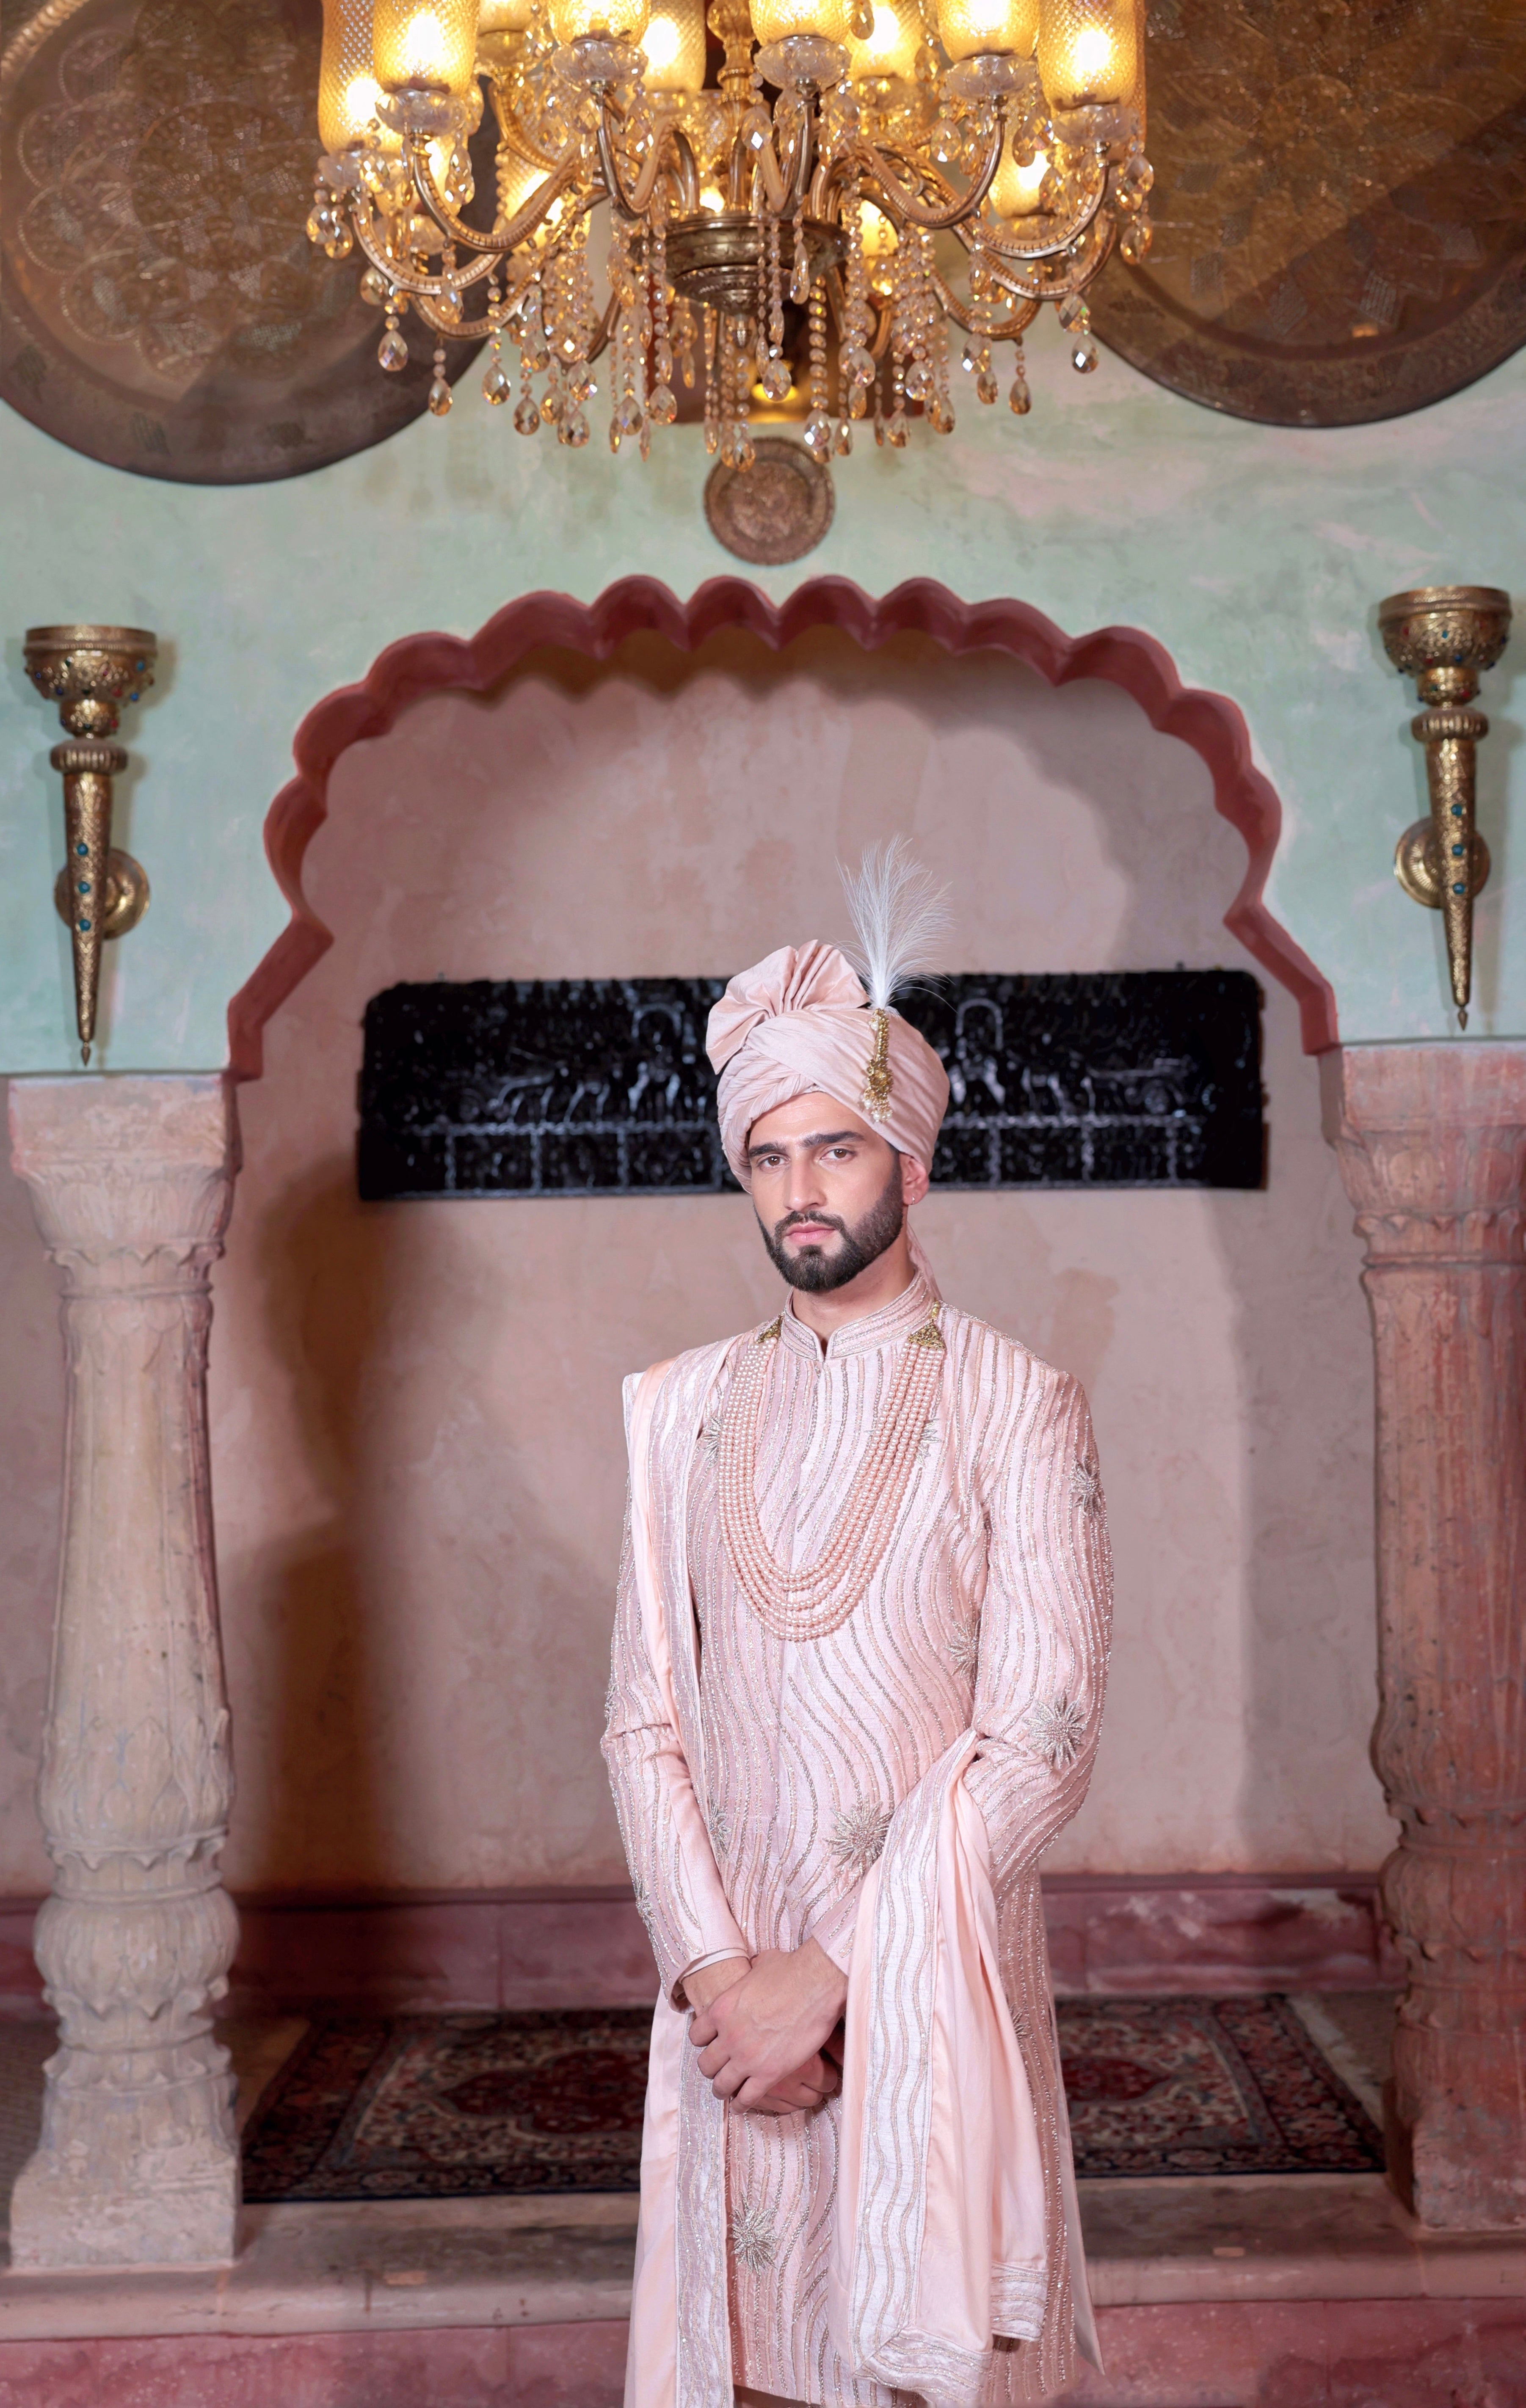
(416, 1408)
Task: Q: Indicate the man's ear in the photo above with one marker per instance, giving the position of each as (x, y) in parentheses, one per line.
(914, 1181)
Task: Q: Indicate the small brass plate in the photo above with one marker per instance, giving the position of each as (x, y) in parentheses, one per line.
(127, 894)
(778, 510)
(1415, 865)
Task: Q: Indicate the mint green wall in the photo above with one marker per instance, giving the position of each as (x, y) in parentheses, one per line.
(1255, 555)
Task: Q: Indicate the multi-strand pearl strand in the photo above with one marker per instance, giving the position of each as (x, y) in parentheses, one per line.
(813, 1602)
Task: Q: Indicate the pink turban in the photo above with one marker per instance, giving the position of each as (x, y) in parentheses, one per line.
(801, 1024)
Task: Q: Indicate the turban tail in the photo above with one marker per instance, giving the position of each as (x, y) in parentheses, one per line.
(801, 1024)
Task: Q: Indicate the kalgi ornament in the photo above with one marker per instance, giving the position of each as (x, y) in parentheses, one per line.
(859, 175)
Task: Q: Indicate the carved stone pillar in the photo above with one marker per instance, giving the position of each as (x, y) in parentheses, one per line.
(1431, 1141)
(132, 1182)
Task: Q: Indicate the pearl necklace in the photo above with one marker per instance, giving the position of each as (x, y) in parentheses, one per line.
(816, 1601)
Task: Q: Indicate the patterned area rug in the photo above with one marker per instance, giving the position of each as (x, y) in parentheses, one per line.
(1207, 2087)
(449, 2106)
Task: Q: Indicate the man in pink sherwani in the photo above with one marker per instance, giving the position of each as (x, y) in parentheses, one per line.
(859, 1666)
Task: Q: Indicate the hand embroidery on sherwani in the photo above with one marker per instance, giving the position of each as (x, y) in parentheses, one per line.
(962, 1647)
(858, 1834)
(719, 1823)
(753, 2240)
(1054, 1732)
(1086, 1489)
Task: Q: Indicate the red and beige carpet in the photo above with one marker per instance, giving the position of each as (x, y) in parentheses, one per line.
(456, 2106)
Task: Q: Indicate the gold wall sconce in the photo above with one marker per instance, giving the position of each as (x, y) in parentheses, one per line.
(1444, 637)
(89, 673)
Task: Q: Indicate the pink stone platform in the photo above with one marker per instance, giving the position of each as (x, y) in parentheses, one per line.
(1295, 2291)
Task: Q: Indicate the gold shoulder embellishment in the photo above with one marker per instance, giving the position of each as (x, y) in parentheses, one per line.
(929, 1334)
(766, 1337)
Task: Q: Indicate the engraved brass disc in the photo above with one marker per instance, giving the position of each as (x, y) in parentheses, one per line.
(127, 894)
(1416, 867)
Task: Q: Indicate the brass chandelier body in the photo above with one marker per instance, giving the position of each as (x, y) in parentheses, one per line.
(859, 175)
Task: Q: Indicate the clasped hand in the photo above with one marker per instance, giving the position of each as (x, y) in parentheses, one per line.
(768, 2033)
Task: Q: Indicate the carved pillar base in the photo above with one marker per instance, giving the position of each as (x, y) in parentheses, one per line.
(132, 1182)
(1431, 1141)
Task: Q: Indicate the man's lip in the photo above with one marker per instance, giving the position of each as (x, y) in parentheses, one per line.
(811, 1229)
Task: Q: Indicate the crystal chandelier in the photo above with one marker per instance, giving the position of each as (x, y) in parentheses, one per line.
(799, 226)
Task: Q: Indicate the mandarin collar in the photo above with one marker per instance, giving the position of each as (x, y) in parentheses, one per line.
(893, 1322)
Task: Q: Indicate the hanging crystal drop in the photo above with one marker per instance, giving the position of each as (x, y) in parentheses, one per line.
(1084, 357)
(842, 439)
(987, 388)
(526, 415)
(373, 287)
(776, 378)
(497, 387)
(918, 381)
(573, 430)
(1136, 240)
(817, 433)
(392, 351)
(1019, 400)
(439, 397)
(661, 407)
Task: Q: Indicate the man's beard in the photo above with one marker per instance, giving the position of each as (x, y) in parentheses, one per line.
(813, 1268)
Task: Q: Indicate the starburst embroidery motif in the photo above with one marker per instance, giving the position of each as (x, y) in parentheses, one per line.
(963, 1647)
(643, 1907)
(1054, 1732)
(753, 2241)
(720, 1825)
(1086, 1489)
(859, 1832)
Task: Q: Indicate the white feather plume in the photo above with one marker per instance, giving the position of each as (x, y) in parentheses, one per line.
(901, 920)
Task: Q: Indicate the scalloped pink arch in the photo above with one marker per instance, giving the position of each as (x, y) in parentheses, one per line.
(429, 663)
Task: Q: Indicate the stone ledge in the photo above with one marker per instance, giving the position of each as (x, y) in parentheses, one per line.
(488, 2264)
(424, 1952)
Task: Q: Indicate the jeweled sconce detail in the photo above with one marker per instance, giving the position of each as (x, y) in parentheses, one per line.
(1444, 637)
(89, 673)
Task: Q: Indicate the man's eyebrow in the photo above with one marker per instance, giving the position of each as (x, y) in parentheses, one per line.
(830, 1137)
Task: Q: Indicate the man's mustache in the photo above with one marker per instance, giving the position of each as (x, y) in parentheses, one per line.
(819, 1219)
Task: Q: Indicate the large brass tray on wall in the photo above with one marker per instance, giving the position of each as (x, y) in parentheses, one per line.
(161, 308)
(1340, 205)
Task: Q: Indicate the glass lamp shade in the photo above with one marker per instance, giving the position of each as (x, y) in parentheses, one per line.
(348, 89)
(570, 18)
(429, 42)
(774, 21)
(1089, 53)
(971, 29)
(503, 17)
(1015, 189)
(673, 44)
(891, 49)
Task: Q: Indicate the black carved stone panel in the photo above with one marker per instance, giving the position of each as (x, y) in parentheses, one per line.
(601, 1086)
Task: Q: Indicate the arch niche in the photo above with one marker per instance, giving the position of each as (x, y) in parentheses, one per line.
(419, 664)
(417, 1406)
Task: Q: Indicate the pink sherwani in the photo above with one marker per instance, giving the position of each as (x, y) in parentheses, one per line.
(887, 1791)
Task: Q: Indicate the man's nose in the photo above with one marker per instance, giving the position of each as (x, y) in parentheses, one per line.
(806, 1188)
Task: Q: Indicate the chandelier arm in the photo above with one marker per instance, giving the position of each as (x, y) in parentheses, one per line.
(1006, 332)
(509, 235)
(1004, 259)
(401, 279)
(686, 174)
(1061, 287)
(512, 131)
(633, 204)
(903, 209)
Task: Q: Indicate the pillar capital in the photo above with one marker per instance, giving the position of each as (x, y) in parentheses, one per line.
(1431, 1144)
(131, 1182)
